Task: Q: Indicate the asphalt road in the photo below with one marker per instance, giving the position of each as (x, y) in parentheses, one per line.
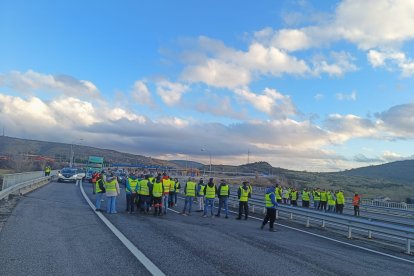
(52, 231)
(181, 245)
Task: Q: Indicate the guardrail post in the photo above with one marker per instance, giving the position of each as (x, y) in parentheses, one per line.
(349, 232)
(252, 208)
(323, 223)
(408, 246)
(291, 216)
(277, 214)
(369, 234)
(307, 221)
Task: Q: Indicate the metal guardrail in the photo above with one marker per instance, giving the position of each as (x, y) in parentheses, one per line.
(350, 222)
(9, 180)
(17, 187)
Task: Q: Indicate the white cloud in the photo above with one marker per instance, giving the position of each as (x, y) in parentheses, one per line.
(398, 120)
(375, 23)
(171, 92)
(270, 102)
(228, 68)
(141, 93)
(347, 97)
(345, 127)
(318, 97)
(32, 81)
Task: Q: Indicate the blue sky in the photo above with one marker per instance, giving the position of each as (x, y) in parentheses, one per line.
(307, 85)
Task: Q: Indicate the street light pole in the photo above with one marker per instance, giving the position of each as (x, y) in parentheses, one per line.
(72, 153)
(209, 153)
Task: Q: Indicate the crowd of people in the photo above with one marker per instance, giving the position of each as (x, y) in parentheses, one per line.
(148, 193)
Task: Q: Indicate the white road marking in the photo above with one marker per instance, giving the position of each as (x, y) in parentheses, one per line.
(330, 239)
(150, 266)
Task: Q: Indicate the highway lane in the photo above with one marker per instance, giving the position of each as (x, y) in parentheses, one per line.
(52, 231)
(190, 245)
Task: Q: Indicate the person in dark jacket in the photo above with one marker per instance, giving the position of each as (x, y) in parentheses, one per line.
(271, 204)
(223, 193)
(244, 193)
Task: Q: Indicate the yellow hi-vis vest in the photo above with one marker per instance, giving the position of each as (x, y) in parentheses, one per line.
(143, 187)
(111, 186)
(157, 189)
(97, 188)
(133, 184)
(244, 194)
(324, 196)
(224, 190)
(340, 198)
(331, 200)
(176, 186)
(190, 188)
(278, 192)
(210, 191)
(316, 196)
(305, 196)
(172, 185)
(166, 183)
(294, 195)
(268, 200)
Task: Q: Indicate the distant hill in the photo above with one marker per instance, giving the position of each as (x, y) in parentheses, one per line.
(20, 155)
(395, 171)
(187, 164)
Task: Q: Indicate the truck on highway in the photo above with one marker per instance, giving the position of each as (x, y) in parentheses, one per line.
(95, 164)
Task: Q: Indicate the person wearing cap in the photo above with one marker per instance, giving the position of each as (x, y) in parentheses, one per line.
(271, 204)
(244, 193)
(210, 192)
(223, 193)
(356, 201)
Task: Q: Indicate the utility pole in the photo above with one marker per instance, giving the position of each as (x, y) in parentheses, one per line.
(248, 157)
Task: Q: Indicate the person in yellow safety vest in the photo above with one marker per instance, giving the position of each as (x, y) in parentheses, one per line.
(47, 170)
(316, 198)
(166, 184)
(223, 193)
(271, 205)
(174, 196)
(210, 192)
(294, 197)
(190, 192)
(278, 193)
(305, 198)
(243, 193)
(131, 188)
(200, 194)
(331, 201)
(157, 192)
(340, 201)
(145, 187)
(355, 202)
(99, 191)
(111, 192)
(324, 199)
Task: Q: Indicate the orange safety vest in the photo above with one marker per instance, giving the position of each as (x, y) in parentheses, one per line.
(356, 200)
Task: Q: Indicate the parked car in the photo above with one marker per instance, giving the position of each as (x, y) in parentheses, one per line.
(69, 175)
